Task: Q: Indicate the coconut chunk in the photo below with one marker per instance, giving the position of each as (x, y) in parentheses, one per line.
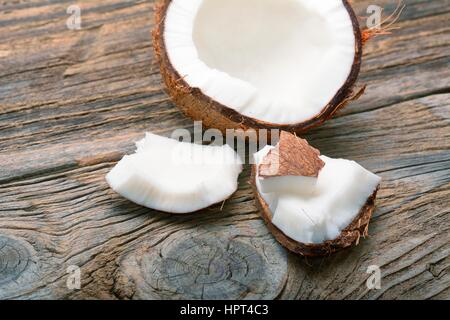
(292, 156)
(279, 62)
(316, 210)
(176, 177)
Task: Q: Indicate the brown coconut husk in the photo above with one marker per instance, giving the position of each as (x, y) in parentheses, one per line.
(386, 26)
(292, 156)
(198, 106)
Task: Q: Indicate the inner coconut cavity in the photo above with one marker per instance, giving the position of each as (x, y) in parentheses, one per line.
(316, 209)
(276, 61)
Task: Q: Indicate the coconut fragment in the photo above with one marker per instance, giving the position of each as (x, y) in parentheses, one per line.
(313, 217)
(176, 177)
(291, 157)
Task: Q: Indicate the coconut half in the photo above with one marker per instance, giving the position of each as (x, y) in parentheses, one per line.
(321, 205)
(269, 64)
(176, 177)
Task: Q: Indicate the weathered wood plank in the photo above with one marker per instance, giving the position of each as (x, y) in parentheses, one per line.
(72, 102)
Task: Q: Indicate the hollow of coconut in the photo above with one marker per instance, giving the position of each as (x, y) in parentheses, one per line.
(199, 106)
(350, 236)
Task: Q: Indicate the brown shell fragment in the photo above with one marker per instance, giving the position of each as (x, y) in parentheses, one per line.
(292, 156)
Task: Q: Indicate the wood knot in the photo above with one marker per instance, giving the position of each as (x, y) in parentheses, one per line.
(14, 259)
(212, 265)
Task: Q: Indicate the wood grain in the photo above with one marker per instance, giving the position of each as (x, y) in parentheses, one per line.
(73, 101)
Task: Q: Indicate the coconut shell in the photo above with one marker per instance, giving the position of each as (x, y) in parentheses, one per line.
(349, 237)
(200, 107)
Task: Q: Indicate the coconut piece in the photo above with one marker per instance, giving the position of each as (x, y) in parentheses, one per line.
(291, 157)
(259, 64)
(293, 162)
(333, 214)
(176, 177)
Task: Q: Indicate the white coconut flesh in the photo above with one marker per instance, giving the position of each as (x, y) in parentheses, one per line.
(176, 177)
(314, 210)
(278, 61)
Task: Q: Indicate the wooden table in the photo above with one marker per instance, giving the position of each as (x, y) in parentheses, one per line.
(73, 101)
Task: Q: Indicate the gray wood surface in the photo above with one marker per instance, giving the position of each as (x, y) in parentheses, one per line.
(73, 101)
